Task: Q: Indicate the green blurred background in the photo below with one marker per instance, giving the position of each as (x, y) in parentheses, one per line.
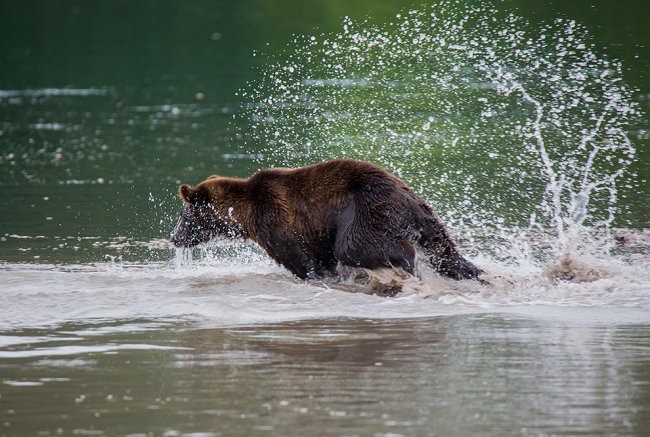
(105, 106)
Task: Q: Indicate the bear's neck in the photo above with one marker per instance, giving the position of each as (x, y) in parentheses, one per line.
(236, 203)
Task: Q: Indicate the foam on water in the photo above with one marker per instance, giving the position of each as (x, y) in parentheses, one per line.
(228, 284)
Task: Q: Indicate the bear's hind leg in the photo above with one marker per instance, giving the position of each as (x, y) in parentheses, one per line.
(443, 255)
(400, 253)
(365, 239)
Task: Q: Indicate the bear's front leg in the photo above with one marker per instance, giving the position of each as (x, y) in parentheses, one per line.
(292, 254)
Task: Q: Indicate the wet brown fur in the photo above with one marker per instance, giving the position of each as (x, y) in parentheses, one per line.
(311, 218)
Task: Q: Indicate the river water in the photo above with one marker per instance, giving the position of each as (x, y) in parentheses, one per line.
(534, 153)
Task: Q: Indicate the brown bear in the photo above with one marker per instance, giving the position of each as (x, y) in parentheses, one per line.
(312, 218)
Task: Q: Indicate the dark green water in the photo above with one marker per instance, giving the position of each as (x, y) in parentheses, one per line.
(160, 82)
(106, 106)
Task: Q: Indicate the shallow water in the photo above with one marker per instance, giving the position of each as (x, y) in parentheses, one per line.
(241, 347)
(106, 330)
(114, 354)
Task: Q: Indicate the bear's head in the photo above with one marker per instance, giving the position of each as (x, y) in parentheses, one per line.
(205, 215)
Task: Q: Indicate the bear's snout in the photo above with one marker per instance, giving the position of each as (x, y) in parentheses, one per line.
(180, 234)
(182, 238)
(177, 237)
(189, 231)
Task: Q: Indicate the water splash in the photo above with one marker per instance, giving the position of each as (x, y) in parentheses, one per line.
(503, 126)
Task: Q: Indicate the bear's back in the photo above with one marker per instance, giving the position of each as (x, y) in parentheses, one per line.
(332, 178)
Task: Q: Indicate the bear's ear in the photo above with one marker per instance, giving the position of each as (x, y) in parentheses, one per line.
(214, 176)
(185, 193)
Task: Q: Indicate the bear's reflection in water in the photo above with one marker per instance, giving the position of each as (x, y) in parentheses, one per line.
(352, 341)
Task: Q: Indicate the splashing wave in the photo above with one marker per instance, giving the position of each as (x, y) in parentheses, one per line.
(513, 132)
